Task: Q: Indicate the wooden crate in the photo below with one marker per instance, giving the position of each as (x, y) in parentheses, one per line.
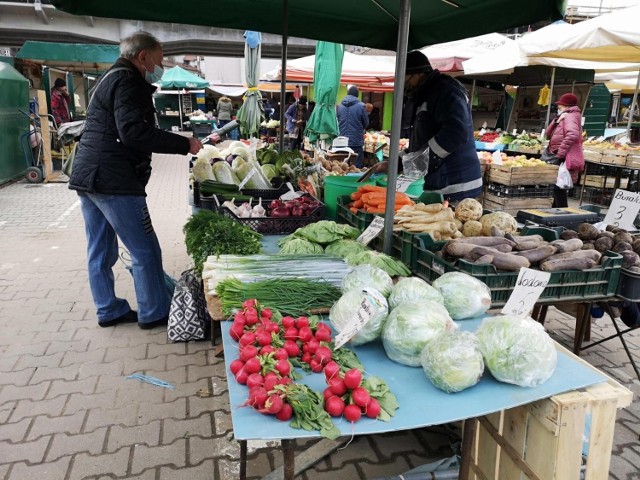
(543, 440)
(514, 205)
(633, 160)
(542, 175)
(592, 155)
(612, 156)
(598, 181)
(524, 150)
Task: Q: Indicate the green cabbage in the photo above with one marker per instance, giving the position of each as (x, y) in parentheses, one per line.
(367, 276)
(224, 174)
(241, 151)
(346, 309)
(413, 289)
(326, 231)
(464, 296)
(517, 350)
(237, 162)
(409, 327)
(269, 171)
(390, 265)
(300, 246)
(202, 170)
(342, 248)
(452, 361)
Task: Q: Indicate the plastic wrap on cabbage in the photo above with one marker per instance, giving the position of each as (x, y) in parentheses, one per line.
(389, 264)
(346, 309)
(367, 276)
(300, 246)
(464, 296)
(452, 361)
(410, 326)
(413, 289)
(517, 350)
(342, 248)
(202, 170)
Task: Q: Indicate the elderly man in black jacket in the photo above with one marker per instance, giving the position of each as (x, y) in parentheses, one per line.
(110, 173)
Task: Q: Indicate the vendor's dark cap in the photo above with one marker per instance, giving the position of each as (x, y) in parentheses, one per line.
(417, 62)
(568, 100)
(59, 83)
(302, 100)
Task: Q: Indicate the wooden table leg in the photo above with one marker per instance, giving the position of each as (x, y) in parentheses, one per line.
(583, 318)
(288, 459)
(468, 435)
(243, 459)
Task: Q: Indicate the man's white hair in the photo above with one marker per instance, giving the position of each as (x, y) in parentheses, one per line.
(131, 46)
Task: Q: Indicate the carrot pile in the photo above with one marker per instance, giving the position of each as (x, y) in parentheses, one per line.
(372, 199)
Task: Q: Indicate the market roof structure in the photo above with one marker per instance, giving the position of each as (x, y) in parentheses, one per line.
(356, 22)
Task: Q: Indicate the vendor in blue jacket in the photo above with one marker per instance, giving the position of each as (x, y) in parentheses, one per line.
(353, 120)
(437, 113)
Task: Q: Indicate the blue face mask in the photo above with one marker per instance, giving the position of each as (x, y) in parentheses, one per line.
(155, 76)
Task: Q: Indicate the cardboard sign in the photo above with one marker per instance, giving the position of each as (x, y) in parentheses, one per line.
(372, 231)
(403, 183)
(529, 287)
(496, 158)
(372, 303)
(623, 210)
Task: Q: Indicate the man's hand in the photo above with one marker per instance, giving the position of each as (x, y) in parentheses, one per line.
(215, 138)
(194, 146)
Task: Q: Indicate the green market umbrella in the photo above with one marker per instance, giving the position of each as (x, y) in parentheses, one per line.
(323, 124)
(178, 77)
(251, 113)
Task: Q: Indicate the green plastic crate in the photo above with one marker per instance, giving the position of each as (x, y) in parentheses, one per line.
(401, 246)
(563, 286)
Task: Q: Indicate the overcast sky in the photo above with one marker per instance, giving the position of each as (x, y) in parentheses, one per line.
(605, 3)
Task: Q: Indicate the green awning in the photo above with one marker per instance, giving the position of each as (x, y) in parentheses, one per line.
(178, 77)
(70, 56)
(356, 22)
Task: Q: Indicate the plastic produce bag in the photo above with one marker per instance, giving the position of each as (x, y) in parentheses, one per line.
(346, 309)
(416, 164)
(368, 276)
(564, 178)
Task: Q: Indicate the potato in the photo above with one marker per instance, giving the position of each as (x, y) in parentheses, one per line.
(588, 246)
(606, 234)
(586, 231)
(622, 237)
(603, 243)
(629, 259)
(622, 247)
(568, 235)
(609, 228)
(636, 246)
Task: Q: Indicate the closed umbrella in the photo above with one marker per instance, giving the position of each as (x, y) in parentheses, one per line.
(251, 112)
(323, 124)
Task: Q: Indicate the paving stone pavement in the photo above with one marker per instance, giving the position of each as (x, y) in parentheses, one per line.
(67, 412)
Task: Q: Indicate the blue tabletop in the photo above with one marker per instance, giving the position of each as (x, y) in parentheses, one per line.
(421, 404)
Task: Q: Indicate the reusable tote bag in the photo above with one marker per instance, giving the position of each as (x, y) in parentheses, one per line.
(188, 316)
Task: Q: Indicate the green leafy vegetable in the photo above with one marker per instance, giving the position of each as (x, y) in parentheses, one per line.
(379, 390)
(390, 265)
(342, 248)
(326, 231)
(208, 233)
(301, 246)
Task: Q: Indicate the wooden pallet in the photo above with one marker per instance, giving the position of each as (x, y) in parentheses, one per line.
(543, 440)
(542, 175)
(514, 205)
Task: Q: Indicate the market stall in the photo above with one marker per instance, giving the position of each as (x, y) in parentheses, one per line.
(183, 86)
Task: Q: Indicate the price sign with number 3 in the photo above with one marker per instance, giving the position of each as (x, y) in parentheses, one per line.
(623, 210)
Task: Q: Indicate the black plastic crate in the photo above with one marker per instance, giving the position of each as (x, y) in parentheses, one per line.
(276, 225)
(520, 191)
(629, 285)
(566, 285)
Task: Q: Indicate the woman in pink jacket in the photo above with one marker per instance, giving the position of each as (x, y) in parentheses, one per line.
(565, 141)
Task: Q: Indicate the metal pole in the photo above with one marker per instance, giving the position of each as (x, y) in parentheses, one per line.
(632, 107)
(283, 74)
(553, 79)
(180, 109)
(396, 121)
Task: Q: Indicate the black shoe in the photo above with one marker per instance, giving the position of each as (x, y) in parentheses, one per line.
(130, 317)
(158, 323)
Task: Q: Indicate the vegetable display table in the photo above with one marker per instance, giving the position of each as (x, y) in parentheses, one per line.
(423, 405)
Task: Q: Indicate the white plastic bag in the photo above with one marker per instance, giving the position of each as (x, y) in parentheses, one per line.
(416, 164)
(564, 177)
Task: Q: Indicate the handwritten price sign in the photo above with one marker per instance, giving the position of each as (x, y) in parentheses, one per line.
(623, 210)
(403, 183)
(529, 287)
(374, 229)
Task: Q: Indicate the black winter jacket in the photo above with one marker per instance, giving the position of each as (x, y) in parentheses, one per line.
(352, 120)
(114, 154)
(439, 115)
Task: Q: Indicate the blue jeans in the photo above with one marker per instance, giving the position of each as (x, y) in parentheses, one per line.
(106, 218)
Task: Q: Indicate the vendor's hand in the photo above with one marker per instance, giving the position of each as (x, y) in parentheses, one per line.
(194, 145)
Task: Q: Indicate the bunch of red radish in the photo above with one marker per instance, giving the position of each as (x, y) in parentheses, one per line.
(265, 349)
(346, 396)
